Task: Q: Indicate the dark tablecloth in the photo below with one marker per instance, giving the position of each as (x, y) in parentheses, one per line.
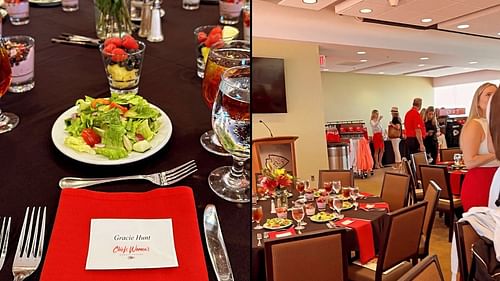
(258, 259)
(31, 166)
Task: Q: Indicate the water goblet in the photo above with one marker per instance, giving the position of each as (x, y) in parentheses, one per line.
(220, 58)
(231, 123)
(8, 121)
(337, 186)
(337, 204)
(257, 215)
(298, 216)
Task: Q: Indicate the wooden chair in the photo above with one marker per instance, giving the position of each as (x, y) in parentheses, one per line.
(346, 177)
(292, 258)
(465, 236)
(416, 194)
(395, 189)
(447, 154)
(427, 269)
(417, 159)
(448, 202)
(432, 199)
(399, 243)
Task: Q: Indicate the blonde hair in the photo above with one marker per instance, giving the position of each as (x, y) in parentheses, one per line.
(475, 110)
(375, 111)
(434, 119)
(495, 122)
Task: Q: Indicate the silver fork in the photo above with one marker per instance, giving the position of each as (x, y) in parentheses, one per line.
(30, 245)
(4, 236)
(162, 178)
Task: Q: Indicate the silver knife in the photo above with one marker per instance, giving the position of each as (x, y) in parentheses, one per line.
(216, 246)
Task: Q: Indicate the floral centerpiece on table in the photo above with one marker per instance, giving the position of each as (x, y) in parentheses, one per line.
(112, 18)
(277, 180)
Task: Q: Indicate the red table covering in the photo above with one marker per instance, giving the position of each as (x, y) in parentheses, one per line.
(455, 181)
(67, 250)
(364, 237)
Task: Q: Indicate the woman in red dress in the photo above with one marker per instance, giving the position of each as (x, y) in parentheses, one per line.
(481, 163)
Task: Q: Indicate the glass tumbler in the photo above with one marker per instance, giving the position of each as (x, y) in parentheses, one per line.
(22, 61)
(19, 11)
(230, 10)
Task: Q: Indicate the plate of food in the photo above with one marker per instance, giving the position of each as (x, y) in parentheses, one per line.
(323, 217)
(117, 130)
(346, 205)
(277, 223)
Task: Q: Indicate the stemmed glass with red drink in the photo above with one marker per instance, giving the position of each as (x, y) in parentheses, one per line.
(328, 186)
(257, 215)
(8, 121)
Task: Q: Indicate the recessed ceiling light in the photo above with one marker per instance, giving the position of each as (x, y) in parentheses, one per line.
(363, 60)
(463, 26)
(310, 1)
(421, 65)
(426, 20)
(424, 58)
(472, 62)
(361, 52)
(498, 33)
(381, 72)
(365, 11)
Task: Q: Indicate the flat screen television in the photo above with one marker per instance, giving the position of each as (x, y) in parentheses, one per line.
(268, 85)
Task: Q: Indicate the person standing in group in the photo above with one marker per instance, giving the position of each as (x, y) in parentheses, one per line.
(431, 128)
(395, 136)
(414, 128)
(480, 162)
(378, 138)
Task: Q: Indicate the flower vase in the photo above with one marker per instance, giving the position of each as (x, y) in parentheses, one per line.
(112, 18)
(281, 198)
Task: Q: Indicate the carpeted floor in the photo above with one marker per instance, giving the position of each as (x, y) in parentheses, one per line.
(439, 239)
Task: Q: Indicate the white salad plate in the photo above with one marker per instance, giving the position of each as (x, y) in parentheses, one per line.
(158, 142)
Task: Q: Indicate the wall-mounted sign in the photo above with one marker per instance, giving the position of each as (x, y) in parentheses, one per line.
(451, 111)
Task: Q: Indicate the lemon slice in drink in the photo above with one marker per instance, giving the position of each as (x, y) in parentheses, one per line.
(229, 33)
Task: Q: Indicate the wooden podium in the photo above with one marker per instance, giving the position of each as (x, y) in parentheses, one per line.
(276, 152)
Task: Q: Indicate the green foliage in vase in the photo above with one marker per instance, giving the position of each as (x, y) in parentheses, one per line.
(113, 18)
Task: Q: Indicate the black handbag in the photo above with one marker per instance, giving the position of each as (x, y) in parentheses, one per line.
(485, 266)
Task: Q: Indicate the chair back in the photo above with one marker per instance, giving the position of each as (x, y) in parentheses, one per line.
(291, 258)
(425, 270)
(432, 199)
(413, 182)
(395, 190)
(465, 236)
(419, 158)
(394, 249)
(447, 154)
(346, 177)
(439, 174)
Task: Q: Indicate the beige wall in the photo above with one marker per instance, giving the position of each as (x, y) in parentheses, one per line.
(305, 117)
(354, 96)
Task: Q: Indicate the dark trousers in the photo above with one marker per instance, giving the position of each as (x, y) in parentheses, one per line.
(412, 145)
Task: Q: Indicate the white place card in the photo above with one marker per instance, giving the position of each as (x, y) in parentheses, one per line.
(347, 222)
(131, 243)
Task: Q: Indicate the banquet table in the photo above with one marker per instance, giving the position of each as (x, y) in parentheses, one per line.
(374, 216)
(31, 164)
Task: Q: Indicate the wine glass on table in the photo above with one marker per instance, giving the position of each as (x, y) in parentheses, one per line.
(337, 186)
(300, 185)
(231, 123)
(337, 204)
(298, 216)
(221, 57)
(328, 186)
(354, 196)
(8, 121)
(257, 215)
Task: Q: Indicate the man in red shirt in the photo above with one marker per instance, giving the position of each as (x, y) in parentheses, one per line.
(414, 128)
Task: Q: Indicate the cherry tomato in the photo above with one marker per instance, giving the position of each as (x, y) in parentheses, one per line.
(90, 137)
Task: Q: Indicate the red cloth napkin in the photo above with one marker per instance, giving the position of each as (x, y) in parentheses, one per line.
(364, 236)
(284, 233)
(455, 181)
(378, 205)
(366, 194)
(68, 247)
